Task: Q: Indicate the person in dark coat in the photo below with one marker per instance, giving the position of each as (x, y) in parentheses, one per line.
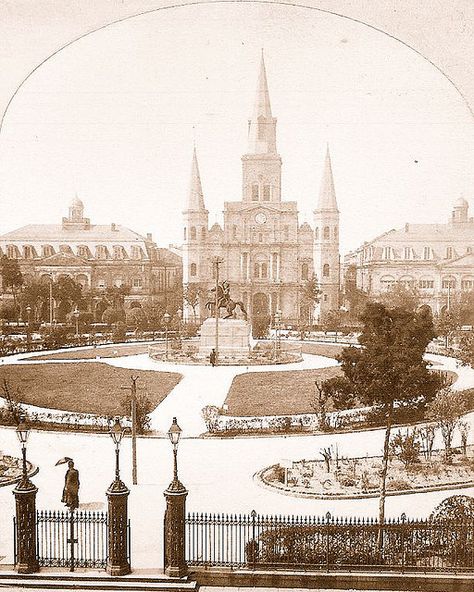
(71, 487)
(212, 357)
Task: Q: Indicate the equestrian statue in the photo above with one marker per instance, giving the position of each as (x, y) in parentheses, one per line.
(224, 300)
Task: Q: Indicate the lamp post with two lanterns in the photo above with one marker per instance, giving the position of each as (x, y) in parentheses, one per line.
(26, 560)
(174, 526)
(118, 563)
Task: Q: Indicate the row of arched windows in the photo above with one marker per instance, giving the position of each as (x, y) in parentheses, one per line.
(83, 251)
(409, 253)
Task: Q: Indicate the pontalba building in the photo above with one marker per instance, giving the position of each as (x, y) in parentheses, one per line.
(267, 255)
(97, 256)
(438, 259)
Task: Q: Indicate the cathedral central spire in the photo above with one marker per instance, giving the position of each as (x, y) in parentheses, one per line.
(327, 193)
(262, 126)
(196, 198)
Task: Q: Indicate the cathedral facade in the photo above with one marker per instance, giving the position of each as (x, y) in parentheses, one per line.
(267, 256)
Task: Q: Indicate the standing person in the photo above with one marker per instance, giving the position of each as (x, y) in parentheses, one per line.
(71, 487)
(212, 357)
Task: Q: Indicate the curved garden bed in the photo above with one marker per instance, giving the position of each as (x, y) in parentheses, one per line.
(356, 478)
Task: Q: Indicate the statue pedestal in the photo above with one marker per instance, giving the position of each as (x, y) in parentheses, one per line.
(234, 338)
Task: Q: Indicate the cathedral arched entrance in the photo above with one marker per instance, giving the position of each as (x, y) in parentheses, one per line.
(260, 314)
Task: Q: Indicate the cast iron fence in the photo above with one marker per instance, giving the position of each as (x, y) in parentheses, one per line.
(309, 542)
(52, 534)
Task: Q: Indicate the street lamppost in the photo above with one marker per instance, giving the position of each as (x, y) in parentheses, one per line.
(166, 319)
(22, 433)
(28, 328)
(174, 524)
(117, 494)
(25, 525)
(76, 314)
(277, 334)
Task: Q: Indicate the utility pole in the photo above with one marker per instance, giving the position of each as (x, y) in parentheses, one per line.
(133, 390)
(217, 261)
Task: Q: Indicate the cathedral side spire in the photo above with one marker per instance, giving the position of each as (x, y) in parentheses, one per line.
(327, 193)
(195, 198)
(262, 126)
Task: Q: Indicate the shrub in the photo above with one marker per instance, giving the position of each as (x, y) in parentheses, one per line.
(119, 332)
(405, 447)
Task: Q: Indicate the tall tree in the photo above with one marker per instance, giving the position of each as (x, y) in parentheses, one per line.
(12, 278)
(67, 293)
(310, 296)
(401, 296)
(389, 367)
(191, 294)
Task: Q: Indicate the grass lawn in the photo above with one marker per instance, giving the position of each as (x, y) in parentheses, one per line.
(321, 349)
(275, 393)
(110, 351)
(87, 387)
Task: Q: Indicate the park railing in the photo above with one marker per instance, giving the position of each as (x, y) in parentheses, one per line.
(254, 541)
(53, 538)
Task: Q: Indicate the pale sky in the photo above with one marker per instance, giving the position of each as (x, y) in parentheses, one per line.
(112, 117)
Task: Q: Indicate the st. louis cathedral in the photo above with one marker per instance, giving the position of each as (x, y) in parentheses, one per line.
(267, 255)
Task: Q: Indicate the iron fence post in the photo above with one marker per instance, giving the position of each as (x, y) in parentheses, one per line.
(328, 518)
(175, 530)
(25, 527)
(118, 561)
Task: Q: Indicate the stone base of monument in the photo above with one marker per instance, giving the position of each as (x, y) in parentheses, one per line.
(234, 338)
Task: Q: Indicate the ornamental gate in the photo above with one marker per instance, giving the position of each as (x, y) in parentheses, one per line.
(53, 538)
(308, 542)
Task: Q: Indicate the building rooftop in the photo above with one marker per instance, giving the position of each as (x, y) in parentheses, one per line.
(58, 232)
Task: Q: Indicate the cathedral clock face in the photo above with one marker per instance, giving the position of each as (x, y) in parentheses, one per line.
(260, 218)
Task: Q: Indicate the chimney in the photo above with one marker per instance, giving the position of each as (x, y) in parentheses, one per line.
(149, 236)
(113, 227)
(407, 227)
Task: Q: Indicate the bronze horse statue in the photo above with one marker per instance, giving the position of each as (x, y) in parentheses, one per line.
(225, 301)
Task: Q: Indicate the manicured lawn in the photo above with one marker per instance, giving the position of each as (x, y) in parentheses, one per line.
(321, 349)
(275, 393)
(87, 387)
(112, 351)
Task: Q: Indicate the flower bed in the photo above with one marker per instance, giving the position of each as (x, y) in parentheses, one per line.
(358, 477)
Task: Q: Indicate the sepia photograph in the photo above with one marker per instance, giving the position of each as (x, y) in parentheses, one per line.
(236, 295)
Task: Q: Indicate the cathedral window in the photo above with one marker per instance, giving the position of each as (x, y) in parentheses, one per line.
(193, 233)
(267, 192)
(326, 270)
(316, 233)
(256, 270)
(304, 271)
(260, 237)
(244, 265)
(192, 269)
(137, 282)
(287, 232)
(184, 233)
(468, 250)
(427, 253)
(203, 233)
(264, 270)
(48, 251)
(449, 252)
(255, 192)
(234, 231)
(336, 232)
(325, 297)
(326, 233)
